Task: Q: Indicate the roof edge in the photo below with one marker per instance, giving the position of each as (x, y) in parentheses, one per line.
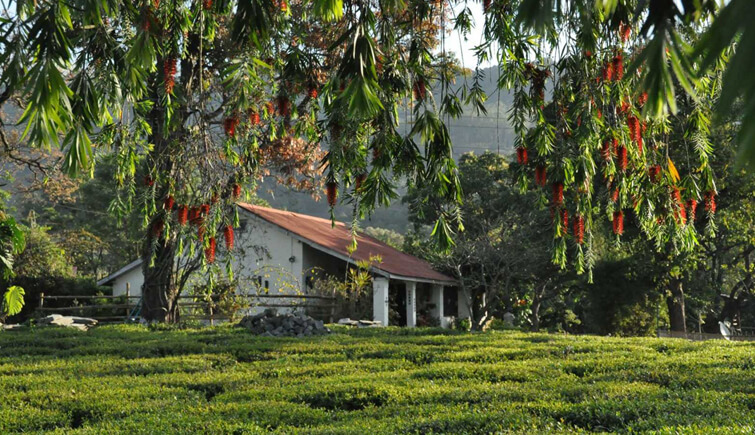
(350, 260)
(127, 268)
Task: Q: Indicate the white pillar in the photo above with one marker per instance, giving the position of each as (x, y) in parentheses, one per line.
(411, 303)
(437, 300)
(464, 308)
(380, 300)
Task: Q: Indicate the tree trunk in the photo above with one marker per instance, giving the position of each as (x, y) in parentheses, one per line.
(675, 303)
(480, 311)
(159, 292)
(537, 302)
(535, 317)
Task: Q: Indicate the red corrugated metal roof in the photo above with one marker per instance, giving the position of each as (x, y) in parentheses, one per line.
(320, 233)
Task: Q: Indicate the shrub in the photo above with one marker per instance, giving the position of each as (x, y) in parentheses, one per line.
(347, 398)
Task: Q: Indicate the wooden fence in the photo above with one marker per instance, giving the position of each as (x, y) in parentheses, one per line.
(107, 308)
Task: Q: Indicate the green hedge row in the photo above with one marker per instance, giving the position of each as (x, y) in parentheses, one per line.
(129, 379)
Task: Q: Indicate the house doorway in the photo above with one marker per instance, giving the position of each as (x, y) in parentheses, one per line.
(396, 304)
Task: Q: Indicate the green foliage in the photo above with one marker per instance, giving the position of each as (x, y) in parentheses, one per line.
(222, 380)
(12, 242)
(95, 242)
(42, 256)
(13, 300)
(390, 237)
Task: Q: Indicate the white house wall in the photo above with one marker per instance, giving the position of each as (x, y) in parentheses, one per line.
(266, 250)
(133, 279)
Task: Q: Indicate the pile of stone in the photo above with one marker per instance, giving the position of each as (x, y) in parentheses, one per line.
(361, 323)
(82, 323)
(271, 324)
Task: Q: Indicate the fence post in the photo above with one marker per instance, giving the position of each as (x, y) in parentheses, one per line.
(212, 321)
(128, 299)
(41, 300)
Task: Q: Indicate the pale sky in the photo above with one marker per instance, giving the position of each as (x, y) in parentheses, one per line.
(464, 48)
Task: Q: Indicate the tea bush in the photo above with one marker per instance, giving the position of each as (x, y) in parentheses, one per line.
(131, 379)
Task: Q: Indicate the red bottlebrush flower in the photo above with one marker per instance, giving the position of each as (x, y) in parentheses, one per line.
(236, 191)
(486, 5)
(331, 191)
(146, 26)
(149, 181)
(228, 235)
(676, 196)
(359, 180)
(710, 201)
(183, 214)
(230, 124)
(207, 4)
(270, 107)
(607, 71)
(565, 220)
(204, 209)
(579, 229)
(156, 3)
(633, 124)
(680, 212)
(654, 173)
(615, 145)
(618, 222)
(624, 107)
(540, 175)
(200, 233)
(521, 155)
(691, 208)
(599, 112)
(209, 251)
(639, 145)
(254, 118)
(606, 150)
(625, 31)
(214, 198)
(615, 194)
(169, 202)
(169, 74)
(622, 158)
(195, 217)
(157, 227)
(642, 99)
(558, 193)
(419, 90)
(588, 54)
(284, 106)
(284, 5)
(618, 67)
(312, 92)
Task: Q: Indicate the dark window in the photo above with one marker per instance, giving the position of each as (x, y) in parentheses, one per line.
(450, 301)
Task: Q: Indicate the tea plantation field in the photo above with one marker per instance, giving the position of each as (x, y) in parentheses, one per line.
(130, 379)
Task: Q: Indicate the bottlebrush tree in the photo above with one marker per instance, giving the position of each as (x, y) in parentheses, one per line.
(598, 147)
(200, 99)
